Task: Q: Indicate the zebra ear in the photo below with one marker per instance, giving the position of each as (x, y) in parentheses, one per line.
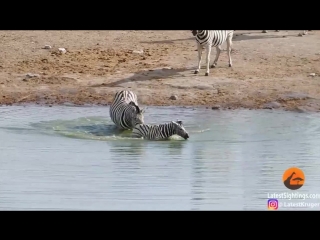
(132, 103)
(137, 107)
(179, 122)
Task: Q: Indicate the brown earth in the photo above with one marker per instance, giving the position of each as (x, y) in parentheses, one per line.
(270, 70)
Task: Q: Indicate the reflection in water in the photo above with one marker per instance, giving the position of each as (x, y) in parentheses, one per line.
(75, 158)
(175, 148)
(131, 149)
(198, 195)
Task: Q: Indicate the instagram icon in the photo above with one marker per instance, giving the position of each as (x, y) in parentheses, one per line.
(272, 204)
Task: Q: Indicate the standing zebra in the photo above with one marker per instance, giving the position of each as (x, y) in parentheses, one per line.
(212, 38)
(160, 132)
(124, 110)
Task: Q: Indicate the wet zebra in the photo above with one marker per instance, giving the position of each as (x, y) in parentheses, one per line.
(160, 132)
(212, 38)
(124, 110)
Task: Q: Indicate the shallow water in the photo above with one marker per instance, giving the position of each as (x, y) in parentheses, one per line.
(72, 158)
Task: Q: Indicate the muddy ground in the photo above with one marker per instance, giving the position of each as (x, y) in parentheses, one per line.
(270, 70)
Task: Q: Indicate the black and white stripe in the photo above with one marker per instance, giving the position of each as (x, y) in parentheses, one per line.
(160, 132)
(212, 38)
(124, 110)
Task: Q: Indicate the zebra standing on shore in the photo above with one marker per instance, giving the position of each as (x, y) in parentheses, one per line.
(212, 38)
(124, 110)
(160, 132)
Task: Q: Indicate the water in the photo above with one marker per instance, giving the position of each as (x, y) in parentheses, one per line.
(72, 158)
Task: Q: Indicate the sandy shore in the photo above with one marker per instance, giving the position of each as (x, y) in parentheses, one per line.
(270, 70)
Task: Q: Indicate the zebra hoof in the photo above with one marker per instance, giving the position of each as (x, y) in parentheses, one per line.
(213, 66)
(230, 65)
(196, 72)
(207, 74)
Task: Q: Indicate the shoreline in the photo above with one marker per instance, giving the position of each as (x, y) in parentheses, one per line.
(294, 108)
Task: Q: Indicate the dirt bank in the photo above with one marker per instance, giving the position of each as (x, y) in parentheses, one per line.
(270, 70)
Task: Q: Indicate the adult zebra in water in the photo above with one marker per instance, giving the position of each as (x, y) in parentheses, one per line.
(160, 132)
(124, 110)
(212, 38)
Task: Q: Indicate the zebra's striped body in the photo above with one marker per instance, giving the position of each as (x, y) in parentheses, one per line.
(159, 132)
(212, 38)
(124, 110)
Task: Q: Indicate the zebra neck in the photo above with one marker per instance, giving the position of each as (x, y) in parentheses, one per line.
(168, 129)
(125, 119)
(203, 37)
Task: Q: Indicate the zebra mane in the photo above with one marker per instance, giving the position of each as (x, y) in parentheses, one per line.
(177, 122)
(136, 106)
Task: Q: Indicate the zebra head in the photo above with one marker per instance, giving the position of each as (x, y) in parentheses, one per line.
(180, 130)
(197, 32)
(137, 117)
(194, 32)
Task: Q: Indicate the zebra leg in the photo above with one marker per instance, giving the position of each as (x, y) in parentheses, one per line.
(208, 51)
(218, 48)
(199, 58)
(229, 45)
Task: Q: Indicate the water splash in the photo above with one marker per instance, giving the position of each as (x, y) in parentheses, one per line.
(92, 128)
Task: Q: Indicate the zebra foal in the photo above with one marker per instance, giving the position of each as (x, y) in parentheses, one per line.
(160, 132)
(124, 110)
(212, 38)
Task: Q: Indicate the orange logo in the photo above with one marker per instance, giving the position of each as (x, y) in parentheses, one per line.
(293, 178)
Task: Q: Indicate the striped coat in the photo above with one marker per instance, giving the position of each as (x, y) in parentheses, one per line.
(160, 132)
(125, 111)
(212, 38)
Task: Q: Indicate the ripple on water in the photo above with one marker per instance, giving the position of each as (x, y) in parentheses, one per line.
(93, 128)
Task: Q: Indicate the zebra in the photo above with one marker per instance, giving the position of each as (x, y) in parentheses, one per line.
(124, 110)
(160, 132)
(212, 38)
